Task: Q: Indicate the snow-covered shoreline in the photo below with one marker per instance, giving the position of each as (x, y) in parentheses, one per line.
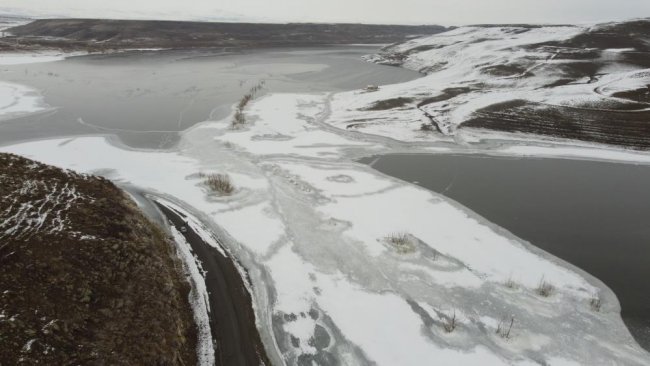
(22, 58)
(18, 100)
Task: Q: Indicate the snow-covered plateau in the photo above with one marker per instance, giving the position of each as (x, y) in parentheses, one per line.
(349, 266)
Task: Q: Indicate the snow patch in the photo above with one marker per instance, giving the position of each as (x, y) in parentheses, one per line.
(18, 100)
(198, 299)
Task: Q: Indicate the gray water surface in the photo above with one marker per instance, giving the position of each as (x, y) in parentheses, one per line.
(145, 98)
(595, 215)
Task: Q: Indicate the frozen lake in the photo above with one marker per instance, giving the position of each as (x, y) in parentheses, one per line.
(321, 258)
(146, 98)
(591, 214)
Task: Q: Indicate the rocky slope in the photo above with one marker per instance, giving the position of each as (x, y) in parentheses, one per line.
(85, 278)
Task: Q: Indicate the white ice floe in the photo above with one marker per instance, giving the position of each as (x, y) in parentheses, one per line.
(313, 227)
(19, 58)
(18, 100)
(370, 321)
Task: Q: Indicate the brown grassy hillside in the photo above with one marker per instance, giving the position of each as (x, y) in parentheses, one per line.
(85, 278)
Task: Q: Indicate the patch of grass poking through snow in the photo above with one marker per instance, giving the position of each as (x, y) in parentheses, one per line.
(450, 323)
(595, 303)
(505, 327)
(239, 118)
(545, 289)
(427, 127)
(511, 284)
(389, 104)
(402, 242)
(219, 183)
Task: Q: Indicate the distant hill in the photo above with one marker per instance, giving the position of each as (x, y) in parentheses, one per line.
(80, 33)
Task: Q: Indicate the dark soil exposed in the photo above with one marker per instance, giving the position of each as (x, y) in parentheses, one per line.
(389, 104)
(96, 34)
(639, 95)
(445, 95)
(85, 278)
(632, 34)
(623, 128)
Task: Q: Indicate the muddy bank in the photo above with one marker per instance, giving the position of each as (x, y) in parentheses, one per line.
(232, 319)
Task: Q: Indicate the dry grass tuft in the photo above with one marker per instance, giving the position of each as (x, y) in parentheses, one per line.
(545, 288)
(402, 242)
(427, 127)
(510, 283)
(219, 183)
(239, 118)
(595, 303)
(450, 323)
(504, 327)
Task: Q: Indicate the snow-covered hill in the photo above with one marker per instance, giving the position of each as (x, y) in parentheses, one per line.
(583, 83)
